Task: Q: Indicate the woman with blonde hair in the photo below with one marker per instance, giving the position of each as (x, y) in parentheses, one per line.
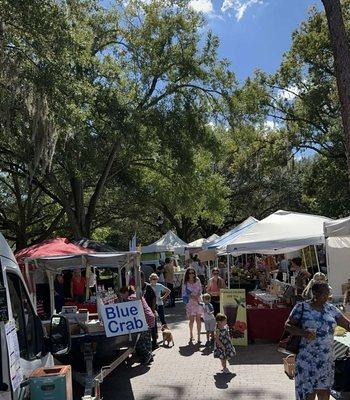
(319, 277)
(191, 294)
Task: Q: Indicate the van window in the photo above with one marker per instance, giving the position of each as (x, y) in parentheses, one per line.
(24, 317)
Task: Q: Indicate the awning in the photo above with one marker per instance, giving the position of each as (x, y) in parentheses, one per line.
(279, 233)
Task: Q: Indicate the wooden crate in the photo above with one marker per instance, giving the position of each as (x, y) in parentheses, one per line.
(289, 366)
(52, 383)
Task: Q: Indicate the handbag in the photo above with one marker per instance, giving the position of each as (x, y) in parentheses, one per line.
(341, 374)
(186, 296)
(289, 344)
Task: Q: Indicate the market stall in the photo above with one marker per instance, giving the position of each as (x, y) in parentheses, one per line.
(168, 245)
(337, 235)
(266, 316)
(280, 233)
(93, 355)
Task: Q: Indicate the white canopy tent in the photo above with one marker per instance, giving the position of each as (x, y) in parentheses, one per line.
(168, 242)
(202, 242)
(337, 235)
(279, 233)
(196, 244)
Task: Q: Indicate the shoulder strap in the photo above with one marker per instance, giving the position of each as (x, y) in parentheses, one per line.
(302, 311)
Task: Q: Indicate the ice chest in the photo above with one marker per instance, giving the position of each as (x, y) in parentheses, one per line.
(53, 383)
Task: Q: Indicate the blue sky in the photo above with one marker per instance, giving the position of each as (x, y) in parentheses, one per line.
(254, 33)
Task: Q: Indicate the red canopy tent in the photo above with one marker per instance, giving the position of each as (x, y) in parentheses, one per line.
(50, 247)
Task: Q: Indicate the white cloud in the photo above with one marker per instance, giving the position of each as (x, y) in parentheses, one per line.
(239, 6)
(289, 94)
(269, 124)
(204, 6)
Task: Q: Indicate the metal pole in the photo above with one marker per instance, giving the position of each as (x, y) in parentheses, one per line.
(228, 271)
(316, 255)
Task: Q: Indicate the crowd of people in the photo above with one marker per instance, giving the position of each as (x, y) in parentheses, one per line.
(313, 317)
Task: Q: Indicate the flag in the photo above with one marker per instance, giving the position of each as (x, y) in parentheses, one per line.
(132, 243)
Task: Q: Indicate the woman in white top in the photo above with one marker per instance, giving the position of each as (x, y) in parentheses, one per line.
(162, 293)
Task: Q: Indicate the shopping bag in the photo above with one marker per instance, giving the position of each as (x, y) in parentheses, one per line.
(289, 344)
(186, 295)
(185, 299)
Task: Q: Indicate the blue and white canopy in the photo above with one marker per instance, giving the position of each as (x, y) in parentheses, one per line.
(234, 233)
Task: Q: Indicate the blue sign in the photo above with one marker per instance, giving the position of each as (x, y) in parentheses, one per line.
(123, 318)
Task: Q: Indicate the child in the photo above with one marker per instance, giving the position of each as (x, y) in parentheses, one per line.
(208, 318)
(223, 347)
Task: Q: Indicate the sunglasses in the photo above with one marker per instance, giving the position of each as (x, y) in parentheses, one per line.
(216, 273)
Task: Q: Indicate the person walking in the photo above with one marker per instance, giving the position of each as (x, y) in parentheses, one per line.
(162, 293)
(192, 290)
(223, 347)
(301, 276)
(209, 319)
(315, 321)
(143, 348)
(169, 270)
(150, 297)
(214, 285)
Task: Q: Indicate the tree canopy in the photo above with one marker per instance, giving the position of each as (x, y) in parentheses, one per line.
(111, 118)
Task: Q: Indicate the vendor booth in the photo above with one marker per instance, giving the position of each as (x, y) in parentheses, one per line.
(93, 355)
(202, 243)
(280, 233)
(211, 250)
(229, 236)
(168, 245)
(337, 235)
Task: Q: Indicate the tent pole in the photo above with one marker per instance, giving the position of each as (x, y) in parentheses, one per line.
(316, 255)
(304, 258)
(228, 271)
(84, 263)
(52, 292)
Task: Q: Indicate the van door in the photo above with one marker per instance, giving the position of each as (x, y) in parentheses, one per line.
(28, 326)
(5, 389)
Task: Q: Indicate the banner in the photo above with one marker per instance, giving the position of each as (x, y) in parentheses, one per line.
(123, 318)
(233, 305)
(132, 243)
(16, 374)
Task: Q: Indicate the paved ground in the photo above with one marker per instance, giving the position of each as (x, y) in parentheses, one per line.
(190, 372)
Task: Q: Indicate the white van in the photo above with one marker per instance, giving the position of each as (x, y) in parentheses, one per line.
(35, 350)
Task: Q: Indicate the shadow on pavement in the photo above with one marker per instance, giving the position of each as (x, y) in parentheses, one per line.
(124, 375)
(207, 351)
(256, 394)
(222, 380)
(175, 392)
(189, 350)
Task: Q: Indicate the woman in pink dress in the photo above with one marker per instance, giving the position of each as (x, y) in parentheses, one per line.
(191, 293)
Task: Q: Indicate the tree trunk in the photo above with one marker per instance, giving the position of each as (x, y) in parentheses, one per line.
(341, 52)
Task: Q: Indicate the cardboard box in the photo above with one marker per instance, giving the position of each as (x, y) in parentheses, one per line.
(53, 383)
(94, 327)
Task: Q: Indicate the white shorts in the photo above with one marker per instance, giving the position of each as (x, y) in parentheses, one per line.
(210, 325)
